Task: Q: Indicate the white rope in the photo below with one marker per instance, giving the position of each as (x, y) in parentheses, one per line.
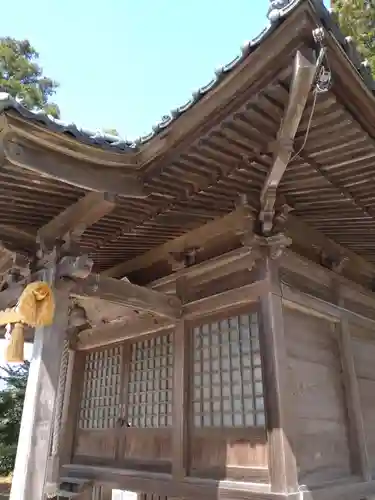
(52, 486)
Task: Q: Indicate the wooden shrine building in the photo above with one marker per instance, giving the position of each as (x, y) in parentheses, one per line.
(214, 331)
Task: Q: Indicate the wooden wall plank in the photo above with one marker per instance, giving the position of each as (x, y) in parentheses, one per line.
(320, 442)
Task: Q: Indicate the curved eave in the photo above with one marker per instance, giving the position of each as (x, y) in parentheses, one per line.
(173, 127)
(81, 147)
(203, 106)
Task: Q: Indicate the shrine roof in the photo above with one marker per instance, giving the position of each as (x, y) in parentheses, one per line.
(279, 10)
(198, 160)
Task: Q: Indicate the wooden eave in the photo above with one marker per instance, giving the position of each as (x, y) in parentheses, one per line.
(222, 146)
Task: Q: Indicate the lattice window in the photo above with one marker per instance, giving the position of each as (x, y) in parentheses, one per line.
(227, 386)
(100, 403)
(150, 383)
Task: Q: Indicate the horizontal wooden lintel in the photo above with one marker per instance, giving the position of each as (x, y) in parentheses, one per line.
(238, 296)
(294, 299)
(120, 331)
(127, 294)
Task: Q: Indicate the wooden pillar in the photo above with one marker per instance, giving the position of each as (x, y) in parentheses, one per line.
(279, 410)
(34, 442)
(180, 393)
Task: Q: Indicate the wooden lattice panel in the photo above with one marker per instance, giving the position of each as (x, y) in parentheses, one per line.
(100, 403)
(227, 385)
(150, 383)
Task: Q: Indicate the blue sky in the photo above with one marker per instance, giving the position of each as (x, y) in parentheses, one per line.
(124, 64)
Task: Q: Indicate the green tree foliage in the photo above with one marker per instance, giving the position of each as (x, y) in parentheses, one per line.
(11, 404)
(357, 19)
(22, 77)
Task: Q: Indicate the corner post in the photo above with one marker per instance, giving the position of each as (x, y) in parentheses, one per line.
(33, 452)
(279, 405)
(180, 439)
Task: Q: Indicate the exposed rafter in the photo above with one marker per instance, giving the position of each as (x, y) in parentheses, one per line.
(303, 77)
(76, 218)
(114, 180)
(235, 222)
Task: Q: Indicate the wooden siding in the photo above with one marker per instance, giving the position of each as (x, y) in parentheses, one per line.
(320, 444)
(363, 344)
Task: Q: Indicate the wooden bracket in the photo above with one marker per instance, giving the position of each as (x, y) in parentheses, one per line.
(274, 245)
(303, 78)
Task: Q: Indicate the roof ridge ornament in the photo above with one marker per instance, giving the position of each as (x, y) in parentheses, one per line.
(275, 9)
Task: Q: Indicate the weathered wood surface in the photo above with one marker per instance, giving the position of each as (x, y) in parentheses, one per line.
(222, 453)
(125, 293)
(303, 76)
(363, 347)
(320, 443)
(82, 174)
(280, 415)
(39, 407)
(77, 217)
(237, 221)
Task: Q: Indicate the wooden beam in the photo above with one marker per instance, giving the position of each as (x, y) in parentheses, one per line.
(120, 331)
(124, 293)
(246, 294)
(78, 217)
(18, 234)
(305, 235)
(236, 260)
(238, 221)
(125, 182)
(302, 80)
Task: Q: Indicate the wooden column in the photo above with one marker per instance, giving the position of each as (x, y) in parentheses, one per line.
(357, 439)
(180, 392)
(279, 409)
(39, 407)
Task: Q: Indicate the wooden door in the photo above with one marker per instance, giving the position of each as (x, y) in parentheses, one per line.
(144, 428)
